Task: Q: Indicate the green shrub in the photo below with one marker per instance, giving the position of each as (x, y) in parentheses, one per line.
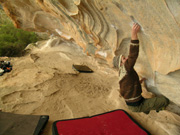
(12, 40)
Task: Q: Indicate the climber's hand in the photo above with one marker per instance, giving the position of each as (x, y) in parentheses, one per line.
(135, 29)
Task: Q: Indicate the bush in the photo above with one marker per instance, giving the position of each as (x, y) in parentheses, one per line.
(12, 40)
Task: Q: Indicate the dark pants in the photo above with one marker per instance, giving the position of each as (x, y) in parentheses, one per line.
(156, 103)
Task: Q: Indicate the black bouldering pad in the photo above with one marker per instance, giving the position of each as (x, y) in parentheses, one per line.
(82, 68)
(20, 124)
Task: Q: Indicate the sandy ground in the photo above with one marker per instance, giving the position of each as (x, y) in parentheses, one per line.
(44, 83)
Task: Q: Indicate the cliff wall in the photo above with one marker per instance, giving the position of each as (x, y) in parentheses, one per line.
(102, 31)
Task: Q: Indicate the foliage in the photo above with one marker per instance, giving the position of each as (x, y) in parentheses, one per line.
(13, 40)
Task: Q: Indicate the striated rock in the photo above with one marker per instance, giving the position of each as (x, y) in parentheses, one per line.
(101, 29)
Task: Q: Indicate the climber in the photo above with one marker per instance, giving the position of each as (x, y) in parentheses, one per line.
(130, 85)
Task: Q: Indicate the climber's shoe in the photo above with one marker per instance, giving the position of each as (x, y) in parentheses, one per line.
(163, 108)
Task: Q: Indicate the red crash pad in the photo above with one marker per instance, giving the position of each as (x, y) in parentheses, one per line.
(117, 122)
